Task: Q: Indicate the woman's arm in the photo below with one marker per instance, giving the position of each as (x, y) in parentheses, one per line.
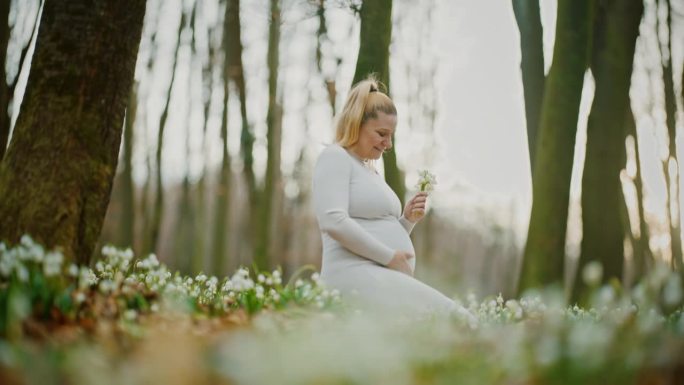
(331, 180)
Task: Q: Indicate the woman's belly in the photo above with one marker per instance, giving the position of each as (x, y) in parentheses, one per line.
(388, 231)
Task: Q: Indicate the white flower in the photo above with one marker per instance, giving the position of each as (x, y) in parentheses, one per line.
(130, 314)
(426, 181)
(79, 297)
(592, 273)
(73, 270)
(53, 263)
(22, 273)
(672, 293)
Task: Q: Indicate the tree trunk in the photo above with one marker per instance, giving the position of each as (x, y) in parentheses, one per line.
(376, 35)
(56, 178)
(615, 33)
(272, 178)
(643, 257)
(158, 208)
(234, 70)
(545, 249)
(672, 180)
(532, 66)
(198, 254)
(4, 87)
(321, 35)
(127, 225)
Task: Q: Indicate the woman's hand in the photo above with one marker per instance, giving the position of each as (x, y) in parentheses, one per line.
(414, 210)
(400, 262)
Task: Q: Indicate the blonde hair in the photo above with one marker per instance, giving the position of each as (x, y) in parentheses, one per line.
(364, 102)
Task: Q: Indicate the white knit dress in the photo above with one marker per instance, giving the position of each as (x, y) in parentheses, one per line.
(361, 225)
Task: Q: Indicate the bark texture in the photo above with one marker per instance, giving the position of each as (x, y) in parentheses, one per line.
(56, 178)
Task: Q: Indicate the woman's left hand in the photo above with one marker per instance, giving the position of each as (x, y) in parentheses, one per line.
(414, 210)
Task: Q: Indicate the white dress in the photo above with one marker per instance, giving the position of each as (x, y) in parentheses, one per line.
(361, 225)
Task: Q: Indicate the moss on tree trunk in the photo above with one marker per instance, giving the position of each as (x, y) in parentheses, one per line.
(528, 18)
(545, 248)
(615, 33)
(56, 178)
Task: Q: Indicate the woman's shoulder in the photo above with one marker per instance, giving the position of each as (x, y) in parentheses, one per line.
(333, 152)
(333, 157)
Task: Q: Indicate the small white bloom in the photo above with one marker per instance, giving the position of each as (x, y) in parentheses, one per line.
(79, 297)
(672, 293)
(73, 270)
(426, 181)
(22, 273)
(592, 273)
(130, 315)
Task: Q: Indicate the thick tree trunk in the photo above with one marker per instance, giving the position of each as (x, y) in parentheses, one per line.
(376, 35)
(545, 249)
(532, 67)
(615, 33)
(56, 178)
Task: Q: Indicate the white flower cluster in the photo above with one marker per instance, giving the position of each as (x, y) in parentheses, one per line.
(498, 310)
(17, 262)
(426, 181)
(119, 274)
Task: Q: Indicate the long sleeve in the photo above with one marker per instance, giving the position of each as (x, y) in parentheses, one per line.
(406, 224)
(331, 183)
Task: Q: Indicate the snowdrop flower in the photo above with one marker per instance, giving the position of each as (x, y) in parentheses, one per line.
(672, 293)
(592, 273)
(79, 297)
(72, 271)
(53, 263)
(261, 278)
(426, 181)
(201, 278)
(22, 273)
(130, 315)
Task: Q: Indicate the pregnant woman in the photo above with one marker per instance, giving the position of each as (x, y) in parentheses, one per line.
(367, 252)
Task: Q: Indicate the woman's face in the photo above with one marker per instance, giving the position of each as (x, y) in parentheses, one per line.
(375, 136)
